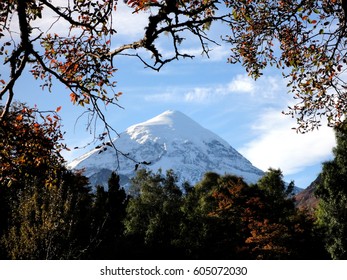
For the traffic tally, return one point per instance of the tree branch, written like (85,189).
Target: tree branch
(64,16)
(25,47)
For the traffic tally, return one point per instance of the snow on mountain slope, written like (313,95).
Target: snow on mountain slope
(170,140)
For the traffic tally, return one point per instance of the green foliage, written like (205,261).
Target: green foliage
(332,191)
(220,218)
(198,228)
(153,215)
(272,183)
(278,193)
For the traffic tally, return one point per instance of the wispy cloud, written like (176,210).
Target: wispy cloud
(200,95)
(276,145)
(262,90)
(127,23)
(219,53)
(241,84)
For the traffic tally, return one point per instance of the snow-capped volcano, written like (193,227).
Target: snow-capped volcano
(170,140)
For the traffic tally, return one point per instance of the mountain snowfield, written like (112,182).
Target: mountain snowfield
(170,140)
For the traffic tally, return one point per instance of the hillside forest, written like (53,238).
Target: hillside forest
(50,212)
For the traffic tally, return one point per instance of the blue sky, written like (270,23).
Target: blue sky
(219,96)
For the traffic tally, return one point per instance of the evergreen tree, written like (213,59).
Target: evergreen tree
(332,192)
(273,184)
(278,194)
(108,215)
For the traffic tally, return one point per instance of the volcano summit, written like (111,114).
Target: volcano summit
(170,140)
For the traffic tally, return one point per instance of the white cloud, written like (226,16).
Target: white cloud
(242,83)
(267,89)
(277,145)
(199,95)
(267,86)
(128,23)
(192,95)
(219,53)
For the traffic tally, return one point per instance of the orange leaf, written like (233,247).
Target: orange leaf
(19,118)
(73,97)
(58,109)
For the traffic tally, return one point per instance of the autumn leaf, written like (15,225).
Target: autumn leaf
(140,4)
(58,108)
(73,97)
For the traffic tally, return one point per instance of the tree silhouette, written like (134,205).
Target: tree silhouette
(108,213)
